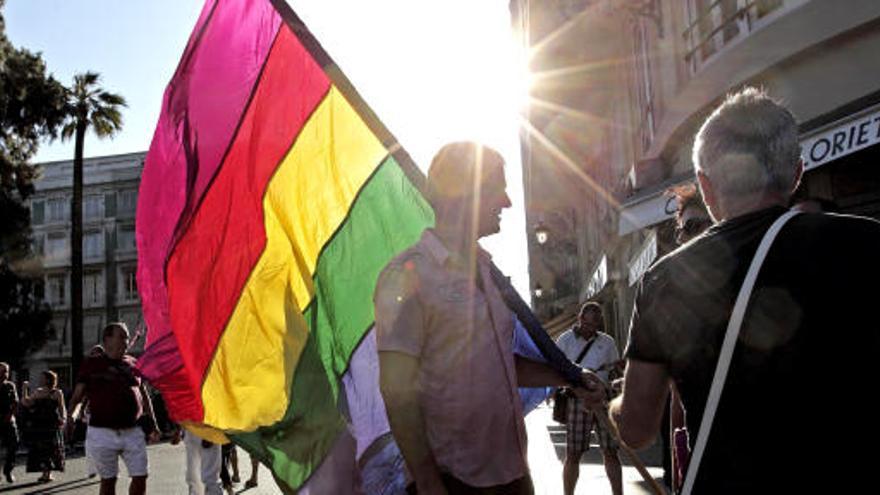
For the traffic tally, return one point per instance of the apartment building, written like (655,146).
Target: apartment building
(109,252)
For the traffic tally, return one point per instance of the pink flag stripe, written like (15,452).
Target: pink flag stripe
(202,108)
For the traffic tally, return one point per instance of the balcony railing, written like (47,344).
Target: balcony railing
(720,23)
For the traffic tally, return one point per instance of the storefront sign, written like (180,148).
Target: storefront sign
(829,144)
(598,280)
(640,264)
(645,212)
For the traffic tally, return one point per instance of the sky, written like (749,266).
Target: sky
(432,71)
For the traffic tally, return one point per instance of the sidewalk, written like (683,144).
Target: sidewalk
(547,451)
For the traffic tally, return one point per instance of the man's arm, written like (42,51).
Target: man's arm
(148,411)
(534,374)
(398,381)
(639,409)
(76,400)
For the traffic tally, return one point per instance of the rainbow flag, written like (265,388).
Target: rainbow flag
(270,200)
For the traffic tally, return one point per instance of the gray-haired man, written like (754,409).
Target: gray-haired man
(810,321)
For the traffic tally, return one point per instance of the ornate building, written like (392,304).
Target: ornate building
(620,89)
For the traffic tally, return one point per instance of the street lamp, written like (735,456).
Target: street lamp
(541,233)
(539,291)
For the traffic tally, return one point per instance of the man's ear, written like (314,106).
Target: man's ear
(709,196)
(798,175)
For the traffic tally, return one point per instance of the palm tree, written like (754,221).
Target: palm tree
(88,106)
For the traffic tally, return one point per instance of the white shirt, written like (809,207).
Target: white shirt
(603,351)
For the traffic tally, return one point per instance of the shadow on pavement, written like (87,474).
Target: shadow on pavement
(48,488)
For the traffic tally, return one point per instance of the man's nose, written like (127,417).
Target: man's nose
(505,200)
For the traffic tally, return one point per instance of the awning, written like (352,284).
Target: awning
(646,211)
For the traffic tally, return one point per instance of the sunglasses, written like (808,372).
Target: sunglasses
(691,228)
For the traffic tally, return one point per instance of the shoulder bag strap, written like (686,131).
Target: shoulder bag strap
(584,351)
(730,338)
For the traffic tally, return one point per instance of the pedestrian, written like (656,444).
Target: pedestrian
(122,418)
(588,346)
(448,374)
(203,463)
(691,220)
(8,426)
(44,426)
(809,317)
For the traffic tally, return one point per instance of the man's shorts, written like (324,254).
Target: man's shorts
(105,445)
(578,427)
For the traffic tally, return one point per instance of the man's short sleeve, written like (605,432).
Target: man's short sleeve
(644,342)
(399,314)
(85,370)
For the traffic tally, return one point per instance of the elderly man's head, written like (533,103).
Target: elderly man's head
(747,150)
(466,186)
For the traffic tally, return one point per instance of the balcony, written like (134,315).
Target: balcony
(722,23)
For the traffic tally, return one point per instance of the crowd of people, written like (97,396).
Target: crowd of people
(759,301)
(775,285)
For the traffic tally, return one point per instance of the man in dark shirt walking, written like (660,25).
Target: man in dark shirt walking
(8,428)
(809,337)
(119,405)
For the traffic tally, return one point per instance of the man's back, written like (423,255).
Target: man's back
(807,341)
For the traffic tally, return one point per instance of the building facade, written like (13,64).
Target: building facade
(109,252)
(629,82)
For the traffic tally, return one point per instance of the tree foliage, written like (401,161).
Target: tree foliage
(32,107)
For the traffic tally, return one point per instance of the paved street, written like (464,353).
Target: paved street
(546,450)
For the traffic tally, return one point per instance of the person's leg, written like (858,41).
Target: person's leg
(134,454)
(10,441)
(108,486)
(609,447)
(255,467)
(233,462)
(193,447)
(577,441)
(138,485)
(103,447)
(613,470)
(210,469)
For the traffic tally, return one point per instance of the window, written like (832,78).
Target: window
(128,201)
(128,283)
(56,286)
(57,246)
(93,288)
(93,244)
(125,240)
(58,210)
(38,212)
(644,86)
(92,329)
(38,244)
(92,207)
